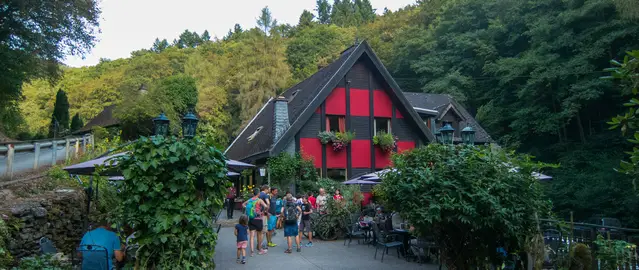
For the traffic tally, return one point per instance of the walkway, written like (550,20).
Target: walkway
(323,255)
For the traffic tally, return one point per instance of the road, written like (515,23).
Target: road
(23,161)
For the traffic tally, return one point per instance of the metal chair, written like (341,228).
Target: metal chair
(352,230)
(94,257)
(382,240)
(47,247)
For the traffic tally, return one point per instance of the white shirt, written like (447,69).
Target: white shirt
(321,201)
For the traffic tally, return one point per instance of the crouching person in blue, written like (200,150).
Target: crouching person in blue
(99,247)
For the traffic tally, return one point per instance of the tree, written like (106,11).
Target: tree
(266,22)
(205,36)
(188,40)
(315,46)
(34,37)
(306,19)
(472,191)
(60,118)
(323,9)
(366,10)
(159,46)
(76,123)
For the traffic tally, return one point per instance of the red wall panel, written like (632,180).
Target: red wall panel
(382,105)
(360,102)
(361,153)
(382,159)
(312,147)
(336,102)
(318,110)
(405,145)
(335,159)
(398,114)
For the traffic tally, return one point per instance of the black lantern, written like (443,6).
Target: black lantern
(161,125)
(468,135)
(189,125)
(447,134)
(438,136)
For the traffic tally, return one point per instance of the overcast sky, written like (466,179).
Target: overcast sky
(129,25)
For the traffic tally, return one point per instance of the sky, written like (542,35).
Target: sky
(130,25)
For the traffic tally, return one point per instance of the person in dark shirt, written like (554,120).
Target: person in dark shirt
(230,201)
(241,231)
(305,225)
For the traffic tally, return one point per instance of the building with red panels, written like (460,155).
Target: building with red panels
(354,94)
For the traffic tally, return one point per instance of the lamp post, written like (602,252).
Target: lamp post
(447,134)
(161,125)
(438,136)
(468,135)
(189,125)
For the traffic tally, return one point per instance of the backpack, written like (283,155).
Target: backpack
(290,213)
(278,205)
(253,209)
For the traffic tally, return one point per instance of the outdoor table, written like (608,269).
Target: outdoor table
(405,235)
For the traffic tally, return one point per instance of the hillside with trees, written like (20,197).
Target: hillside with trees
(528,70)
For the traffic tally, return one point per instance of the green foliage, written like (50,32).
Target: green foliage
(323,9)
(346,13)
(43,262)
(266,22)
(35,38)
(286,169)
(339,140)
(5,257)
(59,125)
(326,137)
(581,257)
(628,73)
(170,188)
(306,19)
(614,253)
(76,123)
(386,141)
(337,217)
(471,191)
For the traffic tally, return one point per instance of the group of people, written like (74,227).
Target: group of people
(265,209)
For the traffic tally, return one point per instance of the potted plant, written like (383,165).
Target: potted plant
(386,141)
(339,140)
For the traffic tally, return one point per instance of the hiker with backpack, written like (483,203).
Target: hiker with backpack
(255,210)
(291,213)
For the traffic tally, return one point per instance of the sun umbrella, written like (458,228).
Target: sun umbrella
(360,182)
(120,178)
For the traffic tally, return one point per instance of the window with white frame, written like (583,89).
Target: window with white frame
(382,124)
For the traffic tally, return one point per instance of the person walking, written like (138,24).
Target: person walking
(265,196)
(273,212)
(230,202)
(305,226)
(291,213)
(254,210)
(241,231)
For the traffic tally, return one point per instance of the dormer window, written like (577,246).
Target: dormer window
(293,95)
(257,130)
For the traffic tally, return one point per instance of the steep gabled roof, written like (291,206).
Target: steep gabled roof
(308,95)
(442,103)
(103,119)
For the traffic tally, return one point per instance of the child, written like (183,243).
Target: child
(291,213)
(241,231)
(305,225)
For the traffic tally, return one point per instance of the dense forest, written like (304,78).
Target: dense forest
(529,70)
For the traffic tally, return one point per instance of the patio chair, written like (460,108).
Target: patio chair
(382,240)
(353,230)
(94,257)
(47,247)
(422,248)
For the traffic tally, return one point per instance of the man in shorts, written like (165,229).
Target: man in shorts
(305,225)
(254,210)
(291,211)
(273,212)
(264,195)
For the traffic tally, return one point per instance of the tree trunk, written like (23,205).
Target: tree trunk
(582,134)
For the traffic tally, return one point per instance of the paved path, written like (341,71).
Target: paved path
(323,255)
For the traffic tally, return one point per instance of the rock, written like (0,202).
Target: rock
(39,212)
(23,208)
(6,195)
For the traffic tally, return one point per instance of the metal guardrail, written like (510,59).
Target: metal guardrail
(30,153)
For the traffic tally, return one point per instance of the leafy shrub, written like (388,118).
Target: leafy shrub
(613,253)
(334,222)
(5,257)
(170,188)
(472,192)
(339,140)
(386,141)
(47,262)
(326,137)
(580,257)
(285,169)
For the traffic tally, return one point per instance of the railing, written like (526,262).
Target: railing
(22,157)
(559,236)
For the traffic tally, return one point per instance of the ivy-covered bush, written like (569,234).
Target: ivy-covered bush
(386,141)
(5,257)
(339,140)
(170,188)
(614,254)
(476,202)
(286,169)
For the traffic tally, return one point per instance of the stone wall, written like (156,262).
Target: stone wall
(58,215)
